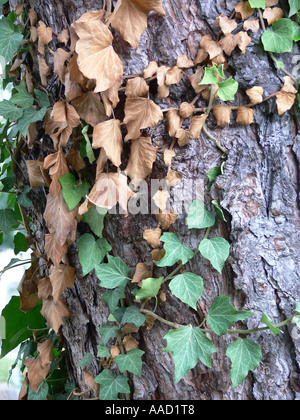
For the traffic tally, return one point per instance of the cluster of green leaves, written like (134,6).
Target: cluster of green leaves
(227,88)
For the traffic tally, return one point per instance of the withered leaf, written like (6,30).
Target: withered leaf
(284,101)
(252,24)
(173,76)
(58,167)
(197,124)
(141,159)
(222,114)
(167,219)
(173,178)
(37,177)
(28,288)
(136,87)
(174,121)
(130,18)
(212,48)
(108,135)
(44,288)
(228,43)
(186,109)
(152,236)
(150,70)
(60,57)
(272,14)
(62,277)
(45,35)
(226,24)
(255,94)
(244,115)
(36,372)
(141,273)
(96,56)
(168,156)
(90,108)
(54,312)
(54,250)
(140,113)
(44,70)
(183,62)
(243,10)
(183,136)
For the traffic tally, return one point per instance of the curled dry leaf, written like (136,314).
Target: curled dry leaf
(212,48)
(183,62)
(110,98)
(255,94)
(141,272)
(186,109)
(28,288)
(243,10)
(173,178)
(173,76)
(136,87)
(44,70)
(168,156)
(284,101)
(108,135)
(72,89)
(197,124)
(288,86)
(162,200)
(58,217)
(54,312)
(90,382)
(152,236)
(163,88)
(142,157)
(226,24)
(58,167)
(174,122)
(150,70)
(244,115)
(33,17)
(90,108)
(109,189)
(158,254)
(96,56)
(130,343)
(54,250)
(140,113)
(36,173)
(39,368)
(243,40)
(201,56)
(130,18)
(228,43)
(60,57)
(252,25)
(196,78)
(222,114)
(167,219)
(62,277)
(44,288)
(183,136)
(272,14)
(45,36)
(64,37)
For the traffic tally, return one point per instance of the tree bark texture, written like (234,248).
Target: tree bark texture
(259,191)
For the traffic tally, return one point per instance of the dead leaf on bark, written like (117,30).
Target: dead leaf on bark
(196,78)
(173,76)
(142,157)
(54,250)
(58,167)
(174,122)
(140,113)
(222,114)
(183,62)
(62,277)
(228,43)
(90,108)
(288,86)
(152,236)
(243,10)
(201,56)
(183,136)
(186,109)
(54,312)
(64,37)
(162,200)
(271,14)
(255,94)
(28,288)
(150,70)
(197,124)
(163,88)
(173,178)
(136,87)
(96,56)
(60,57)
(36,174)
(167,219)
(244,115)
(130,18)
(243,40)
(142,272)
(226,24)
(212,48)
(284,101)
(252,25)
(45,36)
(130,343)
(108,135)
(44,288)
(36,373)
(44,71)
(168,156)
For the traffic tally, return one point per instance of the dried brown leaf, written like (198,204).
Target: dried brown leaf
(222,114)
(62,277)
(109,136)
(244,115)
(243,10)
(212,48)
(150,70)
(271,14)
(136,87)
(142,157)
(152,236)
(252,25)
(183,62)
(186,109)
(167,219)
(141,273)
(197,124)
(255,94)
(90,108)
(54,312)
(226,24)
(174,121)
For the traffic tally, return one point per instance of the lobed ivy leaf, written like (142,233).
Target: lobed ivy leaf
(87,360)
(10,39)
(113,274)
(227,89)
(9,111)
(107,332)
(199,217)
(175,251)
(265,320)
(41,394)
(112,297)
(150,288)
(187,287)
(20,243)
(294,7)
(280,38)
(103,351)
(131,361)
(222,315)
(91,252)
(211,75)
(188,345)
(30,116)
(23,98)
(111,386)
(8,219)
(216,250)
(73,190)
(132,315)
(95,219)
(245,355)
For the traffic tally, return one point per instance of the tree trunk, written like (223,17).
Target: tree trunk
(259,191)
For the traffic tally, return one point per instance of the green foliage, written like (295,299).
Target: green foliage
(175,251)
(227,89)
(188,345)
(95,219)
(73,190)
(280,38)
(107,332)
(187,287)
(216,250)
(199,217)
(130,362)
(91,252)
(294,7)
(134,316)
(113,274)
(257,4)
(245,355)
(222,315)
(150,288)
(111,386)
(8,219)
(10,39)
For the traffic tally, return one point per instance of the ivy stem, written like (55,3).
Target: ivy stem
(179,268)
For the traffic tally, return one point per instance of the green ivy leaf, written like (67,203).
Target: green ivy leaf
(227,89)
(294,7)
(20,243)
(41,394)
(175,251)
(211,75)
(10,39)
(216,250)
(219,210)
(265,320)
(30,116)
(107,332)
(103,351)
(86,149)
(23,98)
(8,219)
(91,252)
(280,38)
(257,4)
(188,344)
(113,274)
(150,288)
(187,287)
(131,361)
(245,355)
(95,219)
(222,315)
(112,297)
(87,360)
(213,174)
(73,190)
(43,98)
(199,217)
(132,315)
(111,386)
(9,111)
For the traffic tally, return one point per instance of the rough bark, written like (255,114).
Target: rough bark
(259,190)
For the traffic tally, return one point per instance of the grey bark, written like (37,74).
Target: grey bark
(259,191)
